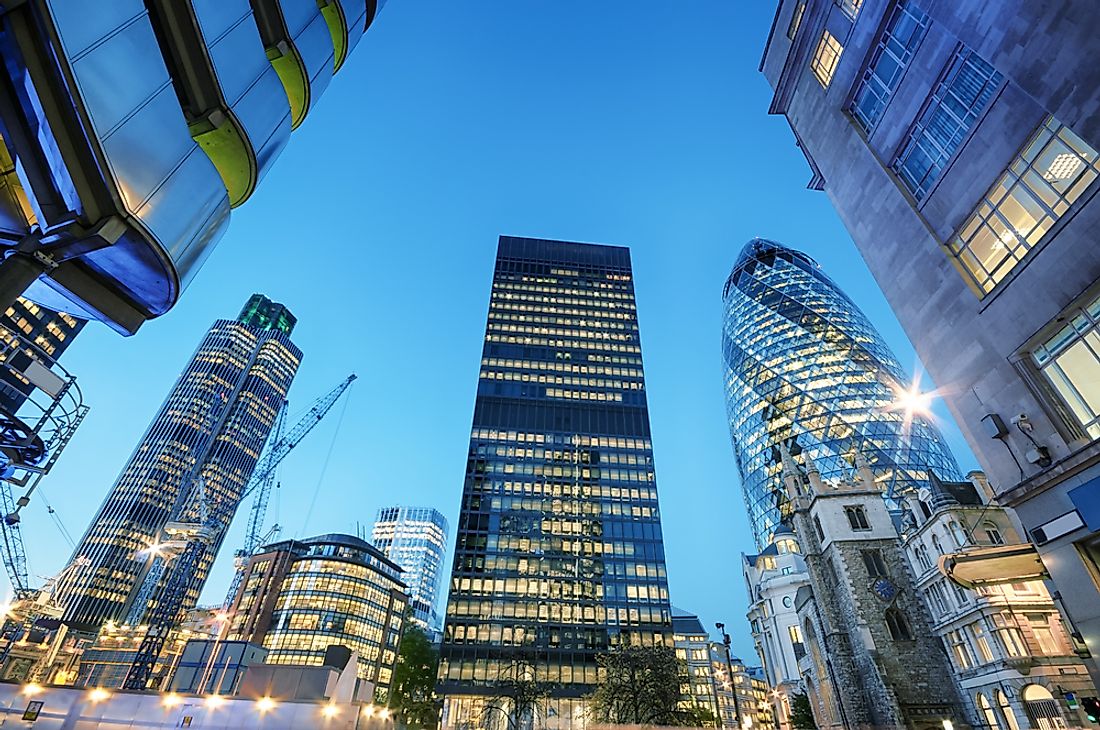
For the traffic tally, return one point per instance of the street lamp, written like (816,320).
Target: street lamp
(733,680)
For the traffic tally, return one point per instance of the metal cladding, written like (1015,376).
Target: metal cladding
(208,435)
(130,130)
(803,366)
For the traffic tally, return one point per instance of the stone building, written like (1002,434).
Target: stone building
(872,659)
(1013,659)
(773,578)
(692,645)
(958,142)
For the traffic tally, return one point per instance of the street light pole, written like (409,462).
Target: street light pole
(733,682)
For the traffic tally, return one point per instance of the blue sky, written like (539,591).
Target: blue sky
(641,124)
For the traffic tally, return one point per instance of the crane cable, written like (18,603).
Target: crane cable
(57,519)
(328,458)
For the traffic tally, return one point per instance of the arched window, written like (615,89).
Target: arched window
(1006,710)
(1043,708)
(898,626)
(992,533)
(958,534)
(987,712)
(922,557)
(936,545)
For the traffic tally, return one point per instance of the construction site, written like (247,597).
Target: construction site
(160,652)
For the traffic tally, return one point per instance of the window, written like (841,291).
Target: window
(1006,710)
(787,546)
(992,533)
(1044,634)
(817,528)
(796,20)
(876,566)
(1070,361)
(1009,634)
(857,518)
(981,640)
(895,49)
(939,598)
(936,545)
(896,623)
(987,711)
(958,534)
(922,557)
(826,58)
(957,101)
(1050,172)
(850,7)
(960,649)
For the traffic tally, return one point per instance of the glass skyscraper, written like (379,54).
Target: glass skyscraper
(804,366)
(559,551)
(416,539)
(211,429)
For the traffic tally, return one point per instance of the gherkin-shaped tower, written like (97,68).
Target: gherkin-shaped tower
(803,365)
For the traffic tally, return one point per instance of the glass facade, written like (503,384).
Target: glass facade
(416,539)
(959,98)
(804,366)
(212,428)
(300,597)
(559,552)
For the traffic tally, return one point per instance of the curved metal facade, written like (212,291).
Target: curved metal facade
(803,365)
(129,131)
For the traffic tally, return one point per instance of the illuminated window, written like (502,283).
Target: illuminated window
(1009,634)
(850,7)
(1048,175)
(895,49)
(957,101)
(987,711)
(826,58)
(981,640)
(1070,361)
(992,533)
(796,20)
(1044,633)
(960,649)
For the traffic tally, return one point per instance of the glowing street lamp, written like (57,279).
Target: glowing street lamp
(98,695)
(330,711)
(171,700)
(265,704)
(30,690)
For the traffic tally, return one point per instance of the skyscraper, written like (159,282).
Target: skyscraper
(559,552)
(802,362)
(209,433)
(415,538)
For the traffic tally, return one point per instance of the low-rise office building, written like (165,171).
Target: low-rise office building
(299,597)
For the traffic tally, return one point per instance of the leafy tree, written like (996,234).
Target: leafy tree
(698,716)
(518,698)
(802,715)
(641,686)
(412,691)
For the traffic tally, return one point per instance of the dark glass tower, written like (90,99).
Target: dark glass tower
(212,428)
(49,331)
(559,551)
(804,365)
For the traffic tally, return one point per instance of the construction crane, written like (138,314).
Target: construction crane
(167,609)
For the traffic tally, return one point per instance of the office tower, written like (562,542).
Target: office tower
(131,128)
(206,437)
(802,362)
(558,551)
(49,333)
(415,538)
(299,597)
(959,147)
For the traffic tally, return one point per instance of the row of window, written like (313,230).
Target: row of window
(1050,172)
